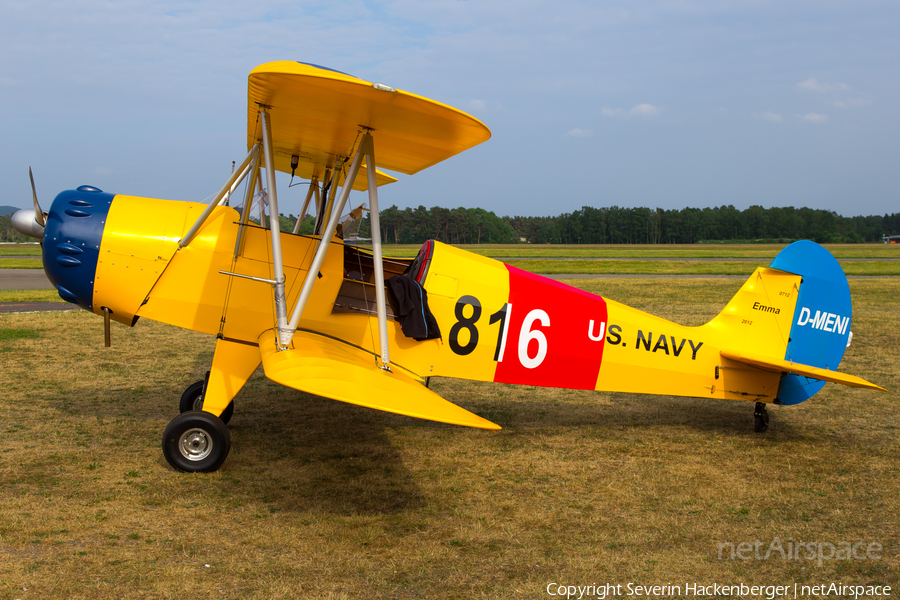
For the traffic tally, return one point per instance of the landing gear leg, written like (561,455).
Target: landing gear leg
(192,399)
(760,418)
(198,440)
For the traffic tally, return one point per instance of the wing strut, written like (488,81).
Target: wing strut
(235,178)
(365,149)
(245,209)
(327,200)
(274,227)
(319,195)
(313,187)
(225,199)
(376,250)
(324,242)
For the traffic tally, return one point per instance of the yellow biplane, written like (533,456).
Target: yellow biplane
(317,313)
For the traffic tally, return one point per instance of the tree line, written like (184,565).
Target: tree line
(415,225)
(8,233)
(617,225)
(608,225)
(641,225)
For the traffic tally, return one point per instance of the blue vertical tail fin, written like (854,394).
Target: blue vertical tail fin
(821,326)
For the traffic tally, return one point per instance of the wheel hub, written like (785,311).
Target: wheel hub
(196,444)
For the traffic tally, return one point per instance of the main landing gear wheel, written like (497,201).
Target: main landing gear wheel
(192,399)
(196,441)
(760,418)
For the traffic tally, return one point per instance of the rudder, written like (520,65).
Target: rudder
(822,316)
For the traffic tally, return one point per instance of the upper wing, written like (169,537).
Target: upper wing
(317,114)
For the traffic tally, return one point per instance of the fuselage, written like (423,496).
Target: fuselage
(498,323)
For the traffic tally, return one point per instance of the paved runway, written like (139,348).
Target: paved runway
(24,279)
(18,307)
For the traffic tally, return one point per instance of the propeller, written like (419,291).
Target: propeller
(38,213)
(30,222)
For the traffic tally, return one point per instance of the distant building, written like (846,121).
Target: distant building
(891,239)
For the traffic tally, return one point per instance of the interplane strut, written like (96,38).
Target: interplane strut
(274,227)
(366,149)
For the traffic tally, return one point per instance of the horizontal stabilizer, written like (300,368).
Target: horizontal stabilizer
(333,369)
(768,363)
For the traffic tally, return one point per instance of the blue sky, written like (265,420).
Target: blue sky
(662,104)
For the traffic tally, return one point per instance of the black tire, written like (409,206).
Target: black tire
(192,399)
(760,418)
(760,424)
(196,442)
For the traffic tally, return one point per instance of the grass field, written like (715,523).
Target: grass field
(20,249)
(21,263)
(30,296)
(638,251)
(588,260)
(681,267)
(619,267)
(319,499)
(648,251)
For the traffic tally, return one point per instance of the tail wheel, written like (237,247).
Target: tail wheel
(192,399)
(760,418)
(196,441)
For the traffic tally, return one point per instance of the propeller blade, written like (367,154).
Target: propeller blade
(38,213)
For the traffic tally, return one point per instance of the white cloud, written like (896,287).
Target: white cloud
(813,118)
(814,85)
(810,85)
(644,110)
(768,116)
(477,105)
(836,92)
(852,102)
(579,133)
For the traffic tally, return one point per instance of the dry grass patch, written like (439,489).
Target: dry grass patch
(20,249)
(21,263)
(30,296)
(324,500)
